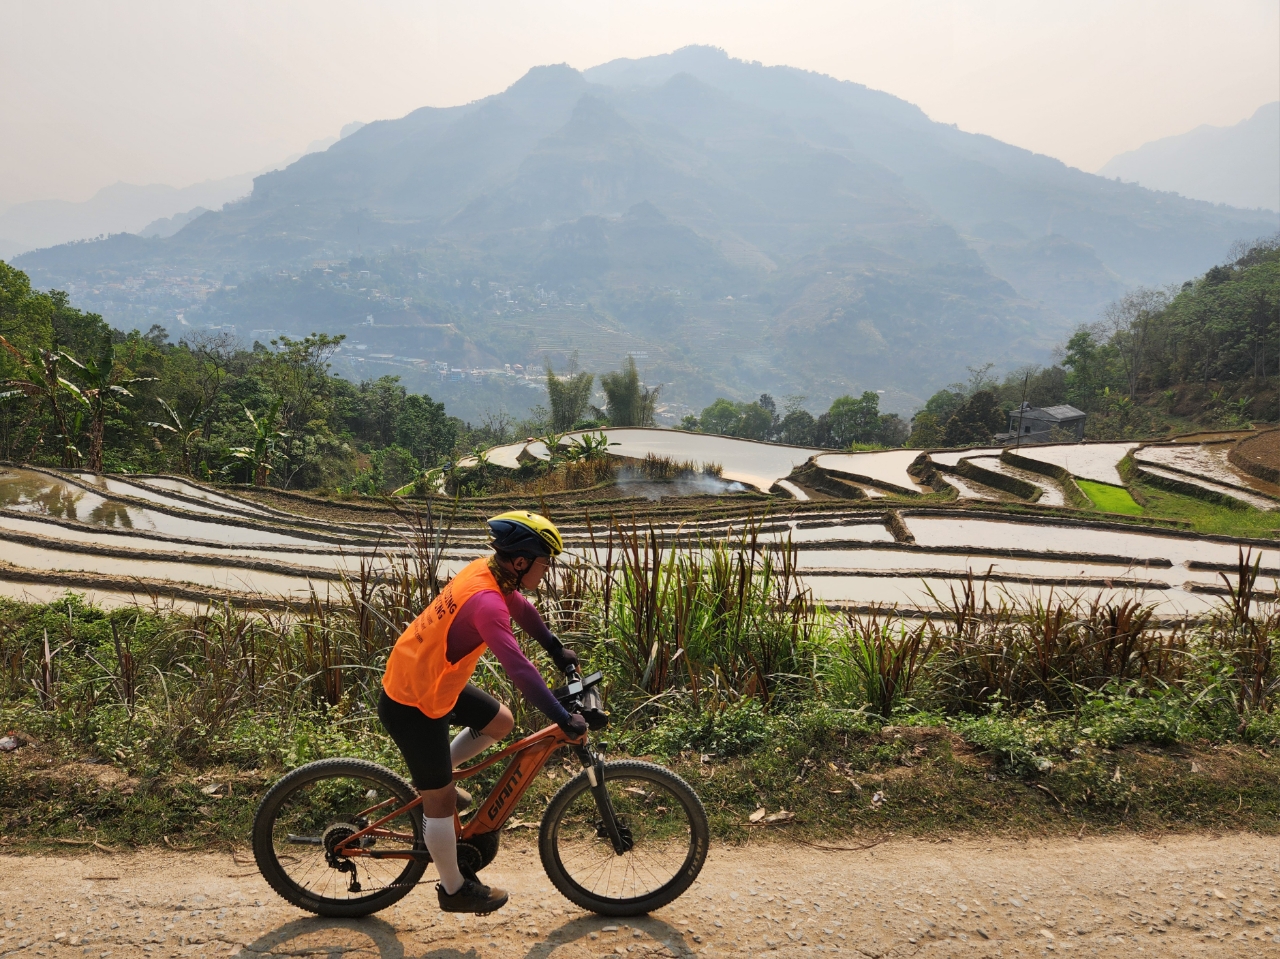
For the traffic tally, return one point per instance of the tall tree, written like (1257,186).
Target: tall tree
(627,401)
(569,397)
(1131,321)
(975,422)
(855,420)
(424,429)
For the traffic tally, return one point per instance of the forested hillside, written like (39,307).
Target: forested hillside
(737,228)
(1203,354)
(76,393)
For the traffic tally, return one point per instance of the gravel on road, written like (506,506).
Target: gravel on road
(1174,896)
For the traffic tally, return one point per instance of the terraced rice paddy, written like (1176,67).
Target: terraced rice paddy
(887,467)
(1206,465)
(1050,493)
(67,532)
(759,465)
(967,489)
(1219,489)
(1095,461)
(1197,459)
(953,457)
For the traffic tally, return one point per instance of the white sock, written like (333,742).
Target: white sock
(443,846)
(466,744)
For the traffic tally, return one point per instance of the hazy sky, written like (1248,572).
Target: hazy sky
(177,91)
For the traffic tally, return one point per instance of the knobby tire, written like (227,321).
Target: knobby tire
(277,875)
(550,840)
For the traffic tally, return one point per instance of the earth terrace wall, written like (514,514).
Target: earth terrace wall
(1136,458)
(1187,488)
(1073,493)
(150,589)
(1239,457)
(1008,484)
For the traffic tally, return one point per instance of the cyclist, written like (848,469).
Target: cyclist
(426,687)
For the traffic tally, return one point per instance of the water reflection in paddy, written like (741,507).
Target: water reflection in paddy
(199,574)
(333,557)
(115,487)
(944,531)
(914,593)
(197,492)
(863,532)
(884,466)
(908,560)
(30,492)
(1095,461)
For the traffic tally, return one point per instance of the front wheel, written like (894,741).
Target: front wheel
(664,829)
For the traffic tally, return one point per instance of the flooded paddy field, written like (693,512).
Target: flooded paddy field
(1050,493)
(969,489)
(953,457)
(1207,460)
(926,592)
(1148,544)
(1211,486)
(1094,461)
(122,535)
(758,465)
(882,466)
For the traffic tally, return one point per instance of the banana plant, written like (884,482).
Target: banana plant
(184,431)
(588,447)
(262,454)
(42,381)
(105,384)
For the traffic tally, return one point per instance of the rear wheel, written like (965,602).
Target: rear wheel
(307,814)
(663,827)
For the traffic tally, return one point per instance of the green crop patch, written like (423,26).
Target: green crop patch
(1109,499)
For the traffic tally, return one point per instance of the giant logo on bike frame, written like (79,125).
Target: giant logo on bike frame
(514,777)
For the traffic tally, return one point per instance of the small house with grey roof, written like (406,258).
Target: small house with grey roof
(1037,424)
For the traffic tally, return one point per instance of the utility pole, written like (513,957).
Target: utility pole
(1022,407)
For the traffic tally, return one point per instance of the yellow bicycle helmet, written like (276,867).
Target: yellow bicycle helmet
(520,532)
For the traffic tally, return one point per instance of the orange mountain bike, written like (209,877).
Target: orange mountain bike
(343,837)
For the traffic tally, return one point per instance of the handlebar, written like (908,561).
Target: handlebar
(582,695)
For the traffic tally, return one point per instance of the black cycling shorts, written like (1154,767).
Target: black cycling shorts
(425,741)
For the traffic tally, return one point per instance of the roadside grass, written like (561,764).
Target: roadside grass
(865,783)
(1109,499)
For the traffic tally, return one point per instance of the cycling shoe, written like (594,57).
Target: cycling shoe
(474,896)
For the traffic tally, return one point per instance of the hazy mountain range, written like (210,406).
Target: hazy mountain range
(151,210)
(1237,165)
(739,227)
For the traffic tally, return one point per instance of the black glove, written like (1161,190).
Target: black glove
(564,657)
(574,726)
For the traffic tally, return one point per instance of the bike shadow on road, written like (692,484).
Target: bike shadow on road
(335,938)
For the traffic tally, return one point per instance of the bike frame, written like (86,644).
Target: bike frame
(528,756)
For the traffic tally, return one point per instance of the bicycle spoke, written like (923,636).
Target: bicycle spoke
(658,828)
(330,803)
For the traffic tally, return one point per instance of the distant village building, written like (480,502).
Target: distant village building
(1043,424)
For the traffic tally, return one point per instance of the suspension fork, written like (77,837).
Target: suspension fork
(594,766)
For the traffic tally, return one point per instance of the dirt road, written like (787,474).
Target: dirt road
(1181,896)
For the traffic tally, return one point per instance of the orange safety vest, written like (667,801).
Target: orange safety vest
(418,670)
